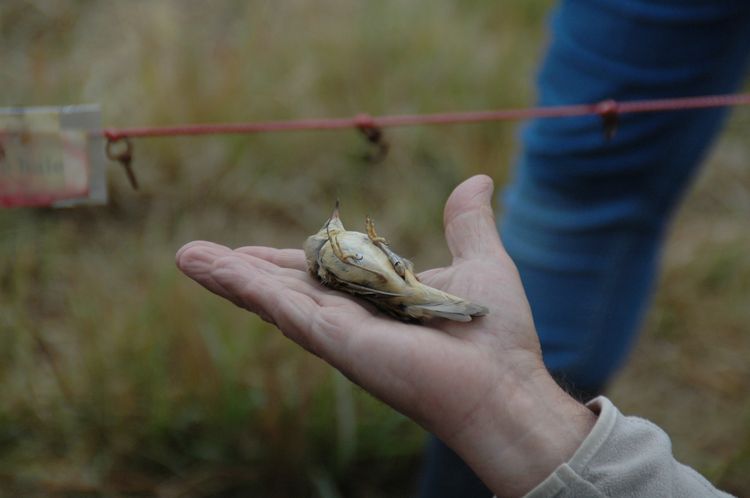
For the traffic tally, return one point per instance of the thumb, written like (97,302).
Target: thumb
(469,221)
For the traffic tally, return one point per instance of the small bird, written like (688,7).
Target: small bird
(363,265)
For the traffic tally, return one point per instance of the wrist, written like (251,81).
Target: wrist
(526,429)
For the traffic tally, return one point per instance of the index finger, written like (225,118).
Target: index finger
(285,258)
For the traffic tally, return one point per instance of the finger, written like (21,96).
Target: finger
(469,220)
(209,247)
(196,260)
(272,261)
(286,258)
(298,280)
(199,259)
(293,305)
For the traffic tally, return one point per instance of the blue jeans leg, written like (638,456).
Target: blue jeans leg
(585,217)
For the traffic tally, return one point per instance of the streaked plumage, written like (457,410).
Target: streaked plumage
(362,264)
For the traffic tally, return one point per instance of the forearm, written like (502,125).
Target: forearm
(522,434)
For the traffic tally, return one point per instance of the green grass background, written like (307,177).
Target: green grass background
(120,377)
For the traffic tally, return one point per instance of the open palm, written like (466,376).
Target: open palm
(450,377)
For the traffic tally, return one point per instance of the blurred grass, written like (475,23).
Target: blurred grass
(122,378)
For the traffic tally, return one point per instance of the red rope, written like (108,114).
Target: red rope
(606,109)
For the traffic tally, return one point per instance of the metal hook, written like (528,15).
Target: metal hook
(374,135)
(124,157)
(609,111)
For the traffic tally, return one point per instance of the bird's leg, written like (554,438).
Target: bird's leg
(399,264)
(370,226)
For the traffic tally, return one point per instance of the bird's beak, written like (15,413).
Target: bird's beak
(335,215)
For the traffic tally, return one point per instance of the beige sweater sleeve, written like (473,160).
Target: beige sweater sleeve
(623,456)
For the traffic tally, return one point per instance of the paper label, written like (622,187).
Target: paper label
(48,157)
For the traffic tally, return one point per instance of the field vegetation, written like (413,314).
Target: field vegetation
(121,377)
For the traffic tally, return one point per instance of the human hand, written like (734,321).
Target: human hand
(479,386)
